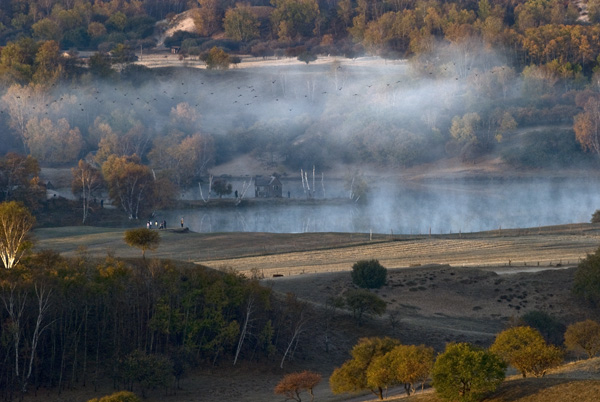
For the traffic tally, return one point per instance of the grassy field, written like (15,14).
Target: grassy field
(287,254)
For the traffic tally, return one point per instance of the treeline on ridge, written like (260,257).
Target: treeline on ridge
(534,32)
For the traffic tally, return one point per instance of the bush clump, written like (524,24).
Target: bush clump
(369,274)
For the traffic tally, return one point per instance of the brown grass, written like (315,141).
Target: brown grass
(289,254)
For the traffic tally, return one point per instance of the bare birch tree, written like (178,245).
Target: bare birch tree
(298,317)
(87,181)
(14,300)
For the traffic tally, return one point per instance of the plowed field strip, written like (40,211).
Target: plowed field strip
(523,250)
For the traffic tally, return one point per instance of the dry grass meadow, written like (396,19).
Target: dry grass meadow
(457,287)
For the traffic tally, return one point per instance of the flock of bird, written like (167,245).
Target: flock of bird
(276,94)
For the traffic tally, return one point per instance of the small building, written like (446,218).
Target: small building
(175,49)
(267,187)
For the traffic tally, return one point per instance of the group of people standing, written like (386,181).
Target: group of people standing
(162,225)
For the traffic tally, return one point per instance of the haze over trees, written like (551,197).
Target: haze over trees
(515,67)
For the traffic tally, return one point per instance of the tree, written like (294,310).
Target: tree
(307,57)
(15,223)
(241,23)
(23,103)
(357,187)
(19,179)
(101,65)
(551,329)
(48,64)
(405,364)
(586,283)
(142,238)
(291,385)
(525,349)
(129,183)
(221,187)
(292,18)
(465,372)
(87,181)
(16,61)
(464,129)
(149,371)
(362,301)
(369,274)
(411,364)
(49,142)
(46,29)
(216,59)
(583,336)
(587,126)
(208,17)
(351,377)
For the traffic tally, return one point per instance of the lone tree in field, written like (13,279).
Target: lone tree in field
(586,283)
(291,385)
(142,238)
(15,223)
(525,349)
(584,336)
(369,274)
(466,373)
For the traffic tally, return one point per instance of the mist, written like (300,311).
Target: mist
(438,206)
(374,117)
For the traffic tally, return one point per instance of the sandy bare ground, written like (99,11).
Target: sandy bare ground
(165,59)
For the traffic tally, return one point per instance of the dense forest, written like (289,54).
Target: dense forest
(136,324)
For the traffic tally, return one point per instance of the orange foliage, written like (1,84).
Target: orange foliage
(291,385)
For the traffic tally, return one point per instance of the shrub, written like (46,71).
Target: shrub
(362,301)
(596,216)
(369,274)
